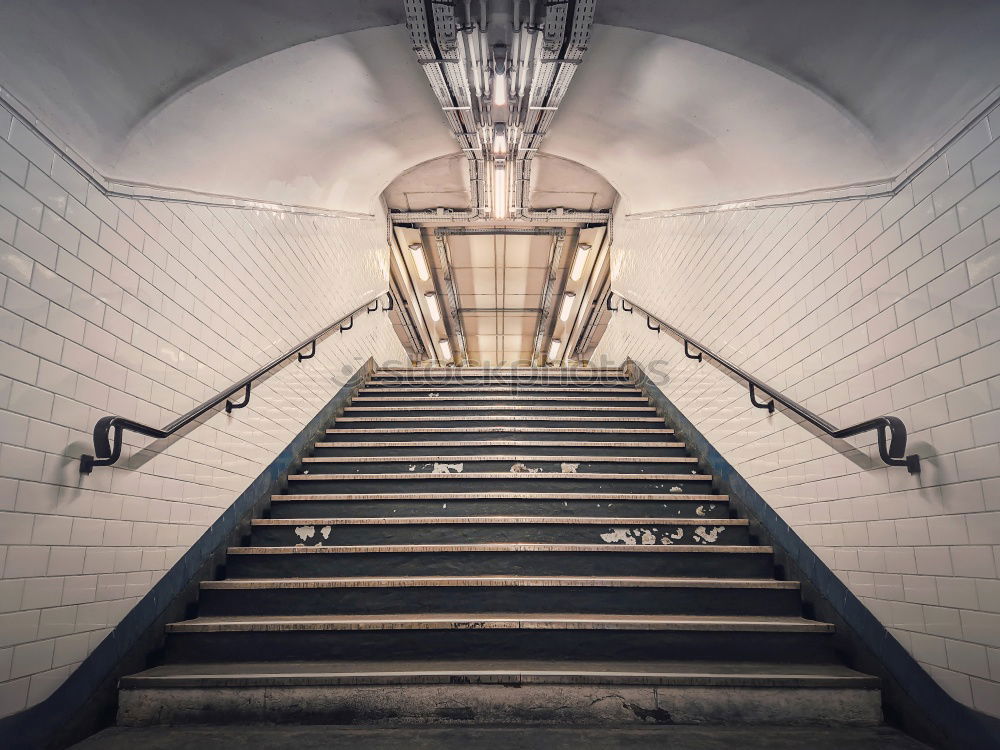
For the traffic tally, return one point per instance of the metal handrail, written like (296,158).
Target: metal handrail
(891,449)
(108,450)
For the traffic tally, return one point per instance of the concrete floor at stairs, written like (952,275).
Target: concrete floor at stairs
(484,738)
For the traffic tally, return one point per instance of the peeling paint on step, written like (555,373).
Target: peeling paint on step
(569,468)
(523,469)
(448,469)
(305,532)
(700,510)
(678,534)
(708,536)
(676,489)
(618,535)
(325,531)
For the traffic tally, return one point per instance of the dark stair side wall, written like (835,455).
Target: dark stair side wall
(911,698)
(87,700)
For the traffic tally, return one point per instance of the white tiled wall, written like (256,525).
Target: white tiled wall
(855,309)
(144,309)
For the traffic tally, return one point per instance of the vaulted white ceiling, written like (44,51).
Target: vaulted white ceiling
(320,102)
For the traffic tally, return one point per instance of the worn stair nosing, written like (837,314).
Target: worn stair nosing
(365,549)
(237,584)
(554,520)
(508,407)
(632,392)
(603,497)
(516,458)
(527,475)
(506,417)
(300,623)
(450,677)
(641,400)
(487,429)
(497,444)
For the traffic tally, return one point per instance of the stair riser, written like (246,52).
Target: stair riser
(533,400)
(496,705)
(501,599)
(527,483)
(498,507)
(424,433)
(422,422)
(625,645)
(623,563)
(463,449)
(476,381)
(503,395)
(466,533)
(595,411)
(529,466)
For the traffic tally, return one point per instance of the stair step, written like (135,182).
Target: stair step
(489,529)
(506,464)
(664,484)
(728,624)
(495,417)
(468,520)
(502,475)
(501,559)
(561,496)
(595,595)
(504,407)
(581,694)
(582,433)
(511,390)
(365,397)
(515,458)
(499,582)
(445,505)
(503,547)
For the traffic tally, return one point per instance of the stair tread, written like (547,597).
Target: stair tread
(552,475)
(501,581)
(480,428)
(271,623)
(365,396)
(561,520)
(506,417)
(388,387)
(601,496)
(501,547)
(506,671)
(508,407)
(498,443)
(535,458)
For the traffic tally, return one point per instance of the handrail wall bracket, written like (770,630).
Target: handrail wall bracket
(890,431)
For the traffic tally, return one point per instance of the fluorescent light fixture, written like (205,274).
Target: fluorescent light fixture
(445,348)
(500,89)
(432,305)
(582,251)
(554,348)
(499,190)
(499,140)
(420,261)
(567,305)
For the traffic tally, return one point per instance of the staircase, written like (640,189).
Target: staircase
(500,546)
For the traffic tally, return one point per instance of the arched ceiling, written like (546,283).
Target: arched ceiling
(320,102)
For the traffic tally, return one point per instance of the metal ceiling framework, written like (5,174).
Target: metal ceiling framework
(500,70)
